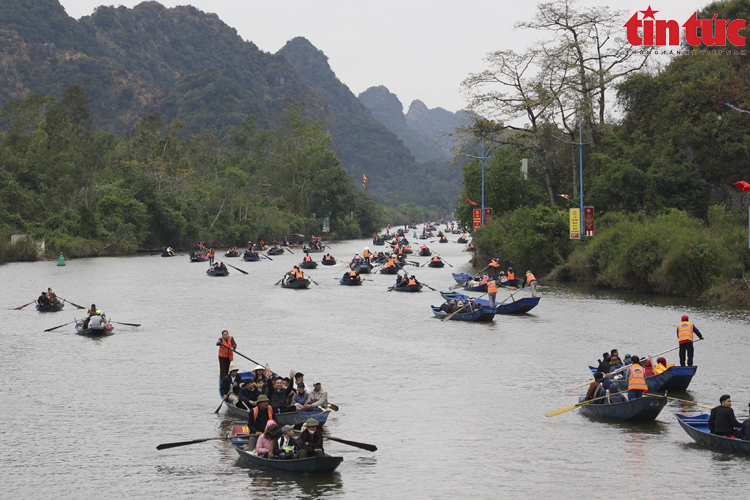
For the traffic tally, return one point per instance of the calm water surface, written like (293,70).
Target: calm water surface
(455,409)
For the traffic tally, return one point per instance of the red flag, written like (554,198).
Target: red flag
(473,203)
(743,185)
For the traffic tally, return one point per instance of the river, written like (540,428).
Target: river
(456,410)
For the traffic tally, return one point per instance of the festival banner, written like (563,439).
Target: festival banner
(477,218)
(588,221)
(487,214)
(575,223)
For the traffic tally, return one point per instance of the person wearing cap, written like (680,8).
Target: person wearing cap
(636,377)
(260,415)
(310,442)
(299,400)
(531,281)
(227,345)
(722,421)
(248,394)
(318,397)
(230,385)
(685,331)
(283,447)
(264,444)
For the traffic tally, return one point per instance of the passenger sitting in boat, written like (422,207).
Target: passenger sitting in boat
(318,397)
(722,421)
(248,395)
(264,444)
(260,416)
(283,448)
(594,386)
(310,442)
(503,278)
(259,374)
(52,297)
(647,368)
(307,258)
(603,363)
(230,385)
(351,275)
(661,366)
(43,300)
(97,321)
(614,364)
(299,400)
(279,393)
(412,280)
(327,257)
(435,258)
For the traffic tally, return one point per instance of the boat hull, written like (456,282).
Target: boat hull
(645,408)
(251,257)
(436,264)
(49,308)
(328,262)
(297,284)
(519,306)
(308,265)
(408,288)
(310,465)
(94,332)
(480,315)
(696,427)
(217,272)
(350,282)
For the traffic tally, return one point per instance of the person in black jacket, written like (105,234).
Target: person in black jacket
(230,385)
(278,394)
(722,420)
(248,395)
(259,416)
(310,442)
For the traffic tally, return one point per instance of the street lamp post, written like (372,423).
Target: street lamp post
(483,157)
(580,166)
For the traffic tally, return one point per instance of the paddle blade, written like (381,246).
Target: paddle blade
(563,410)
(56,327)
(364,446)
(128,324)
(21,307)
(164,446)
(333,407)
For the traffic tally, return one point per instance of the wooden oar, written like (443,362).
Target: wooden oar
(445,261)
(21,307)
(428,286)
(217,411)
(266,256)
(128,324)
(55,328)
(364,446)
(310,278)
(164,446)
(685,401)
(73,303)
(287,249)
(455,287)
(240,270)
(664,352)
(577,405)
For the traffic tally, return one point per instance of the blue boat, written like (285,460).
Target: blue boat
(697,428)
(240,440)
(200,257)
(519,306)
(217,271)
(350,282)
(50,307)
(478,315)
(645,408)
(674,378)
(462,278)
(251,256)
(406,288)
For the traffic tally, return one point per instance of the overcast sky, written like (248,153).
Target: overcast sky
(419,49)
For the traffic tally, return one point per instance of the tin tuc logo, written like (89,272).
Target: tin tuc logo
(659,32)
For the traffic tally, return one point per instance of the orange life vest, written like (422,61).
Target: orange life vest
(412,281)
(491,286)
(637,379)
(225,349)
(211,252)
(685,332)
(435,258)
(366,253)
(352,274)
(270,412)
(485,279)
(494,264)
(307,258)
(298,274)
(511,275)
(530,277)
(375,255)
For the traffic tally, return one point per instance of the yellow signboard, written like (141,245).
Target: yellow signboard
(575,223)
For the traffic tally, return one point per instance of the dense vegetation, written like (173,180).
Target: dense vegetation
(660,179)
(188,66)
(88,192)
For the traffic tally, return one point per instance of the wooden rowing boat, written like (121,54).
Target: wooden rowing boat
(50,307)
(519,306)
(674,378)
(479,315)
(105,331)
(296,284)
(310,465)
(645,408)
(696,427)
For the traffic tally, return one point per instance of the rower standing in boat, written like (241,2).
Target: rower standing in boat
(226,353)
(491,292)
(685,332)
(531,281)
